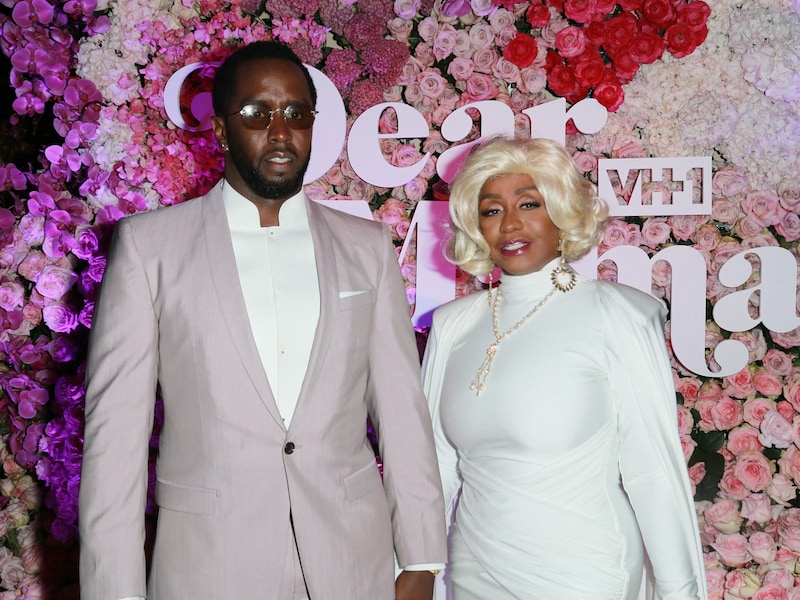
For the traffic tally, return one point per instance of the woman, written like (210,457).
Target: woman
(552,400)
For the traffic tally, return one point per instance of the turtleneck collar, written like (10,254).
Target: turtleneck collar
(528,287)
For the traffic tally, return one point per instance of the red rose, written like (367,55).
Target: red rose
(590,69)
(596,33)
(624,67)
(557,4)
(679,40)
(659,12)
(630,5)
(561,81)
(538,15)
(581,11)
(620,30)
(521,50)
(610,95)
(605,7)
(646,48)
(695,14)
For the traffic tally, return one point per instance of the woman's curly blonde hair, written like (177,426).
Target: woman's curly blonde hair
(569,198)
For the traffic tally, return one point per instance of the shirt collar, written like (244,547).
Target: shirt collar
(243,214)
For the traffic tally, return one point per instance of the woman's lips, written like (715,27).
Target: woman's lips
(514,247)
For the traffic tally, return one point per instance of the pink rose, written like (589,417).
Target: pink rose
(789,529)
(779,577)
(32,265)
(748,227)
(687,446)
(506,71)
(743,439)
(428,28)
(444,41)
(732,486)
(480,87)
(715,583)
(790,339)
(707,237)
(725,211)
(757,508)
(723,515)
(571,42)
(729,181)
(763,206)
(766,383)
(655,232)
(415,189)
(501,19)
(741,583)
(460,68)
(685,226)
(789,463)
(739,385)
(12,294)
(789,194)
(789,227)
(462,46)
(771,592)
(732,549)
(697,473)
(791,391)
(400,28)
(685,420)
(405,155)
(781,489)
(481,36)
(754,470)
(762,547)
(776,430)
(704,407)
(483,60)
(726,413)
(406,9)
(533,80)
(615,233)
(756,408)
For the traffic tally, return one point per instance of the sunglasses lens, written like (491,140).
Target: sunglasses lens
(295,116)
(298,117)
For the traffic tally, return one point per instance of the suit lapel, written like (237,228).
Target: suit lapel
(327,276)
(222,263)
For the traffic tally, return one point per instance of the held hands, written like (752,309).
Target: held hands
(414,585)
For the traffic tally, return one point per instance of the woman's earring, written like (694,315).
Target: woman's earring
(563,276)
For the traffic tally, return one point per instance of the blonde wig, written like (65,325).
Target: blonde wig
(568,198)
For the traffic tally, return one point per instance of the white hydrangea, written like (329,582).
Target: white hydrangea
(738,95)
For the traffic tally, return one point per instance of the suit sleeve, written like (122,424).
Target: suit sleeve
(121,377)
(400,415)
(651,460)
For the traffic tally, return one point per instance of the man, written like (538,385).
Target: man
(273,327)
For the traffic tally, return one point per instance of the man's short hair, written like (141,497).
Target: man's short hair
(225,79)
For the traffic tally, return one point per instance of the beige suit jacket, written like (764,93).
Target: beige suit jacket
(171,314)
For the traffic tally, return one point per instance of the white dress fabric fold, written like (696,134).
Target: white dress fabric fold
(568,465)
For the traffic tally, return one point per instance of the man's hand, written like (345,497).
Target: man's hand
(414,585)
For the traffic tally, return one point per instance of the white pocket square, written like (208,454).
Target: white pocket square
(353,293)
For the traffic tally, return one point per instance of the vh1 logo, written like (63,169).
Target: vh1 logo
(645,187)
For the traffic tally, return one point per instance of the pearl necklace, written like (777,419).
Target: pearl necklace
(557,277)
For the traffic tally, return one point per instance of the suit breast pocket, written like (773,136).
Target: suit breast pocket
(351,300)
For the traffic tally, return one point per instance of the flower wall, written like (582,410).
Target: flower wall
(679,77)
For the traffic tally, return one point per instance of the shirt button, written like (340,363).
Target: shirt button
(289,448)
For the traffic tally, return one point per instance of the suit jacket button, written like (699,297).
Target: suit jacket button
(289,448)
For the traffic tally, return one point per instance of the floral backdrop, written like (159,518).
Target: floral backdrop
(85,141)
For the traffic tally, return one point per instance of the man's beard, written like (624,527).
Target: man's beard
(262,187)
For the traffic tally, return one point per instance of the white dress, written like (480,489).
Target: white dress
(570,456)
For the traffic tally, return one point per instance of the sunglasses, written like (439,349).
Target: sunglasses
(296,116)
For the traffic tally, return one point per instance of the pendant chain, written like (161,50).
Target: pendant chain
(479,383)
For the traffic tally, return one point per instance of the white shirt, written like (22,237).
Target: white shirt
(278,275)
